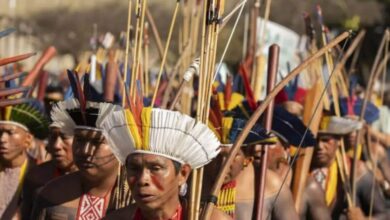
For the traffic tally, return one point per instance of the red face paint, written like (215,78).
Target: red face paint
(157,182)
(132,180)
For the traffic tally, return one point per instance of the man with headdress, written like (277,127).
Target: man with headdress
(93,190)
(19,125)
(293,136)
(59,147)
(159,148)
(325,171)
(237,195)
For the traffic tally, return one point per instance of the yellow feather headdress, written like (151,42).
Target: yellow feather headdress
(161,132)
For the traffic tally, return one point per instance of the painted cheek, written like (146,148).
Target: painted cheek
(132,180)
(157,182)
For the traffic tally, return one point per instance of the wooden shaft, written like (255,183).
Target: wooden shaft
(42,86)
(13,91)
(12,102)
(14,59)
(126,54)
(109,84)
(201,89)
(311,118)
(273,63)
(34,74)
(155,32)
(166,51)
(177,95)
(12,76)
(373,77)
(138,50)
(255,116)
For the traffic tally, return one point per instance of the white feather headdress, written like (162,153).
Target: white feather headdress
(161,132)
(338,125)
(66,115)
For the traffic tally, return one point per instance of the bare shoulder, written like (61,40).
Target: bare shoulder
(273,183)
(62,189)
(218,214)
(123,213)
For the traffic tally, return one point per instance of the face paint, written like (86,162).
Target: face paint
(157,182)
(132,180)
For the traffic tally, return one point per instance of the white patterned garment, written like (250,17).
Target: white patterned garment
(9,181)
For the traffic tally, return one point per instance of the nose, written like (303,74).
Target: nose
(57,145)
(144,178)
(3,137)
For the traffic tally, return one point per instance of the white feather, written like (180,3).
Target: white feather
(172,134)
(117,133)
(61,118)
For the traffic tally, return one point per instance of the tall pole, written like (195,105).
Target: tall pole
(273,63)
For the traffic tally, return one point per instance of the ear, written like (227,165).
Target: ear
(29,139)
(184,173)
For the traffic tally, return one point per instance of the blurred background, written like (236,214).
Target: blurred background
(70,24)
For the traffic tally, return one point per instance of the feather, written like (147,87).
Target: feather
(228,91)
(116,131)
(338,125)
(189,142)
(291,128)
(61,117)
(87,87)
(77,92)
(258,134)
(73,84)
(29,115)
(42,86)
(248,90)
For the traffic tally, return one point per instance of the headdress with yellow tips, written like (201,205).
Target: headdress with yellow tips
(227,128)
(161,132)
(334,125)
(227,95)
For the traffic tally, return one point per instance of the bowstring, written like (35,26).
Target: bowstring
(307,128)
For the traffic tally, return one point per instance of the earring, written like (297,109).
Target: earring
(247,161)
(183,189)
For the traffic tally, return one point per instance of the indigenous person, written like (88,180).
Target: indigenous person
(159,148)
(325,171)
(292,133)
(19,125)
(90,192)
(237,195)
(60,149)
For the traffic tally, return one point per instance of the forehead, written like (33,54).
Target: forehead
(6,126)
(328,136)
(226,150)
(87,133)
(53,129)
(148,158)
